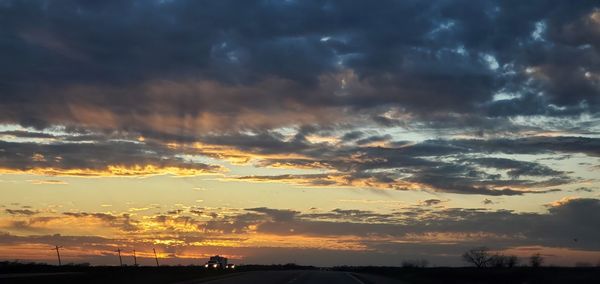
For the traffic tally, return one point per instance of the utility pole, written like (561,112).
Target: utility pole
(134,259)
(155,257)
(56,248)
(120,260)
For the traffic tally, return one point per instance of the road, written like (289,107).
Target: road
(30,275)
(298,277)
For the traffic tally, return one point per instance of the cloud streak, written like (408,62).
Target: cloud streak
(360,231)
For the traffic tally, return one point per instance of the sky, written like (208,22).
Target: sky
(313,132)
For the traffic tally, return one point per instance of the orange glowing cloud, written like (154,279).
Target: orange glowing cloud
(118,171)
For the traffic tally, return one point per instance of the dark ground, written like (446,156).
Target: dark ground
(300,277)
(39,273)
(279,274)
(469,275)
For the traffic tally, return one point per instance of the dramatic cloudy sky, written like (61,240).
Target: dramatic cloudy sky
(315,132)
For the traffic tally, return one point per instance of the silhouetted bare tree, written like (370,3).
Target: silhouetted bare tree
(480,257)
(536,260)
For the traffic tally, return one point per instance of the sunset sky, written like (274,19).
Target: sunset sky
(314,132)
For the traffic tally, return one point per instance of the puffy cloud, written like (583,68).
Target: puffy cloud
(426,230)
(205,76)
(204,68)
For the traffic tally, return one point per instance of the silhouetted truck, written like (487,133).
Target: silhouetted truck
(218,262)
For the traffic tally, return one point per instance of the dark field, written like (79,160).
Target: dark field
(468,275)
(37,273)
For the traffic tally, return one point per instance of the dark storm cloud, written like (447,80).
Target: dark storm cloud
(26,212)
(373,139)
(583,189)
(214,71)
(263,143)
(533,145)
(556,228)
(352,135)
(186,60)
(277,215)
(60,158)
(395,166)
(517,168)
(26,134)
(445,165)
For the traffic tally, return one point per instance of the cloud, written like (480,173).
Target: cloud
(26,212)
(431,202)
(533,145)
(99,159)
(374,139)
(26,134)
(48,181)
(209,85)
(517,168)
(277,215)
(428,231)
(439,165)
(439,61)
(455,96)
(507,228)
(123,222)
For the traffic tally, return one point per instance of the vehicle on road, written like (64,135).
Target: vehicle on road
(218,262)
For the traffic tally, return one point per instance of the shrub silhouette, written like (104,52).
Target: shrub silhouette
(480,257)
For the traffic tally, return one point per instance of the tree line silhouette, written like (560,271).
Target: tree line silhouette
(482,257)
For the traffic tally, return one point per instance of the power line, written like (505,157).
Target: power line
(57,248)
(134,259)
(155,257)
(120,260)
